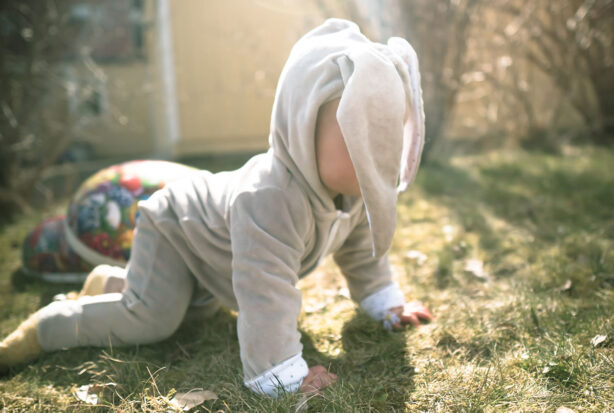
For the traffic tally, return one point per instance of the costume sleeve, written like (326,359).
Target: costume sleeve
(267,235)
(369,278)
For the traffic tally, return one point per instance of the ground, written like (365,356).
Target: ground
(513,252)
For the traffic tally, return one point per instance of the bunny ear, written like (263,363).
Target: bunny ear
(413,134)
(370,117)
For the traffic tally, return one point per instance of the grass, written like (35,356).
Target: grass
(516,338)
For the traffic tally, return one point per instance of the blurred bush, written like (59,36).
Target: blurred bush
(518,67)
(49,78)
(35,127)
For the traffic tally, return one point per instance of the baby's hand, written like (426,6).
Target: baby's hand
(317,379)
(412,313)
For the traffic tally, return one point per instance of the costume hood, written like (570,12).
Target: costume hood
(376,83)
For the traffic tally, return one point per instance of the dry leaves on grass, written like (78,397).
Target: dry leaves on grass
(449,232)
(344,292)
(599,339)
(565,287)
(476,268)
(191,399)
(89,393)
(416,257)
(314,307)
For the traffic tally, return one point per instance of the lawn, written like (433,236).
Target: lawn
(513,251)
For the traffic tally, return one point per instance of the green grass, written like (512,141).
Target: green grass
(518,339)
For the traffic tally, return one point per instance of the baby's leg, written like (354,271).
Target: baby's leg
(150,308)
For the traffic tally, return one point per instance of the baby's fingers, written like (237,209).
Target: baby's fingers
(410,318)
(425,313)
(418,309)
(317,379)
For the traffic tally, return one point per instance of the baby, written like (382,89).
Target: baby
(346,135)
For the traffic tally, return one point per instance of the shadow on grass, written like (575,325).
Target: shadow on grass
(205,353)
(201,353)
(21,282)
(556,202)
(538,200)
(374,364)
(20,285)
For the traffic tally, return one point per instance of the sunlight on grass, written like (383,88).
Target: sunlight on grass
(516,337)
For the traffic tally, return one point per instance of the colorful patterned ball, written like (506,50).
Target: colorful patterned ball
(99,225)
(46,253)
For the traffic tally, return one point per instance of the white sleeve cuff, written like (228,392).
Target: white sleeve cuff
(285,377)
(378,303)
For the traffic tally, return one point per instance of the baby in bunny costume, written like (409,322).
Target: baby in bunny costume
(347,132)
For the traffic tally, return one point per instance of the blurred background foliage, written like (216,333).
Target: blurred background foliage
(84,83)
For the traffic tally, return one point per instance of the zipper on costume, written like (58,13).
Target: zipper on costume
(331,235)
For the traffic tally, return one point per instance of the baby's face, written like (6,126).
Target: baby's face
(334,164)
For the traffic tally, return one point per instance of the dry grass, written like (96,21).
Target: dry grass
(516,339)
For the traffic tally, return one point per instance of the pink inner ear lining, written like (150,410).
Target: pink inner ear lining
(406,114)
(413,137)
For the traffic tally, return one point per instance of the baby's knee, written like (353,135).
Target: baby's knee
(152,331)
(151,325)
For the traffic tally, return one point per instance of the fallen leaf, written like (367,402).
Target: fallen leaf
(476,268)
(416,257)
(563,409)
(314,308)
(566,286)
(88,393)
(191,399)
(595,341)
(343,292)
(448,232)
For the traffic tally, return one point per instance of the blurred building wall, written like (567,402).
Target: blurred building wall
(226,59)
(123,127)
(228,56)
